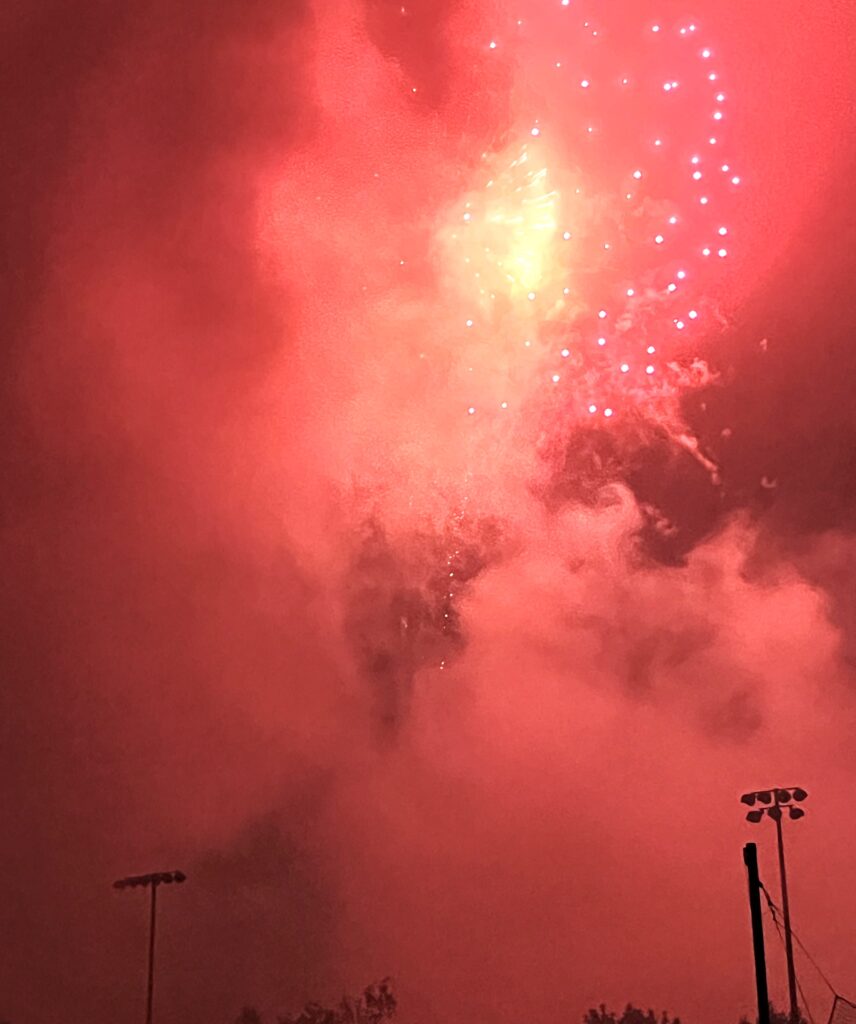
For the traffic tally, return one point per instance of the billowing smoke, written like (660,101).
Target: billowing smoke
(353,609)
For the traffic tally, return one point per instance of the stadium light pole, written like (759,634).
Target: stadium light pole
(151,881)
(773,802)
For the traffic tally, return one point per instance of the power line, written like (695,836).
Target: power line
(774,911)
(781,935)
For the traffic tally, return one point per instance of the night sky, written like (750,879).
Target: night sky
(345,569)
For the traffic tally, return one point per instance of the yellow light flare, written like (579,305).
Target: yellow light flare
(506,249)
(505,241)
(519,227)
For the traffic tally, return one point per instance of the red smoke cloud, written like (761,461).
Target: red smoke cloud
(240,470)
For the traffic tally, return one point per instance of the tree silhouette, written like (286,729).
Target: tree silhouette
(776,1017)
(376,1005)
(630,1015)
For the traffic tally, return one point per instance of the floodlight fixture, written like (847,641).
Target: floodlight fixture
(774,800)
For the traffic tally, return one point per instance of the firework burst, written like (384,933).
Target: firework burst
(586,250)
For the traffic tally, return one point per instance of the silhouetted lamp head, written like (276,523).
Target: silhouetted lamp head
(748,798)
(168,877)
(799,794)
(155,879)
(796,812)
(755,816)
(765,796)
(783,796)
(775,813)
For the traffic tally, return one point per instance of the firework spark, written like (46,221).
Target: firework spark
(587,249)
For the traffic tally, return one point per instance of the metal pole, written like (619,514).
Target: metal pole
(750,859)
(151,881)
(789,946)
(151,981)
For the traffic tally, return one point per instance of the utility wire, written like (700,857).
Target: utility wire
(774,911)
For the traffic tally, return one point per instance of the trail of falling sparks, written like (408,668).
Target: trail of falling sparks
(585,249)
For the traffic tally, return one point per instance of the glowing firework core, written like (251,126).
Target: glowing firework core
(510,231)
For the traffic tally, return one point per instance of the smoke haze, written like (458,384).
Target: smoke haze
(237,478)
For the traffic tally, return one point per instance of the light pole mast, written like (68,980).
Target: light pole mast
(150,985)
(773,802)
(786,913)
(151,881)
